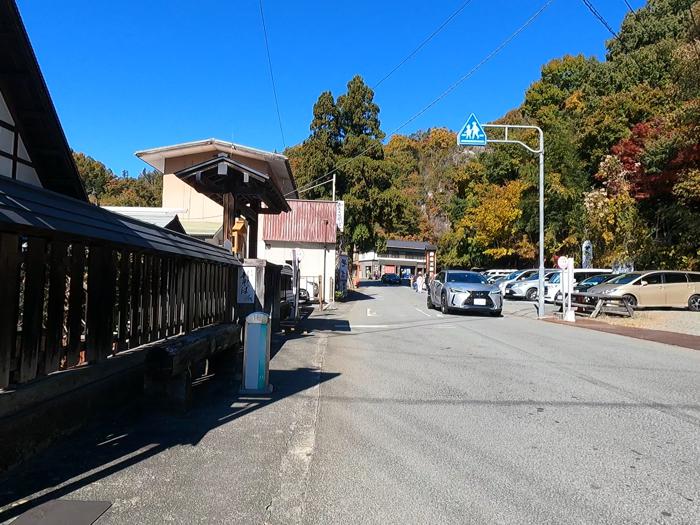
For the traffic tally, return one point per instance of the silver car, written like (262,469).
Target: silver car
(461,290)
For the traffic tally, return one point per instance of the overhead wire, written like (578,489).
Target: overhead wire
(445,93)
(272,75)
(424,42)
(600,17)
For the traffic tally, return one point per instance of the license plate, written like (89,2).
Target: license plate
(480,302)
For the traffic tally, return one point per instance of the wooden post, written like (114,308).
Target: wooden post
(253,238)
(136,310)
(9,292)
(146,299)
(229,216)
(100,304)
(35,280)
(53,345)
(124,299)
(75,303)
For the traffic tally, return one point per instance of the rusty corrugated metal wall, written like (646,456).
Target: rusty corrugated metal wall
(309,221)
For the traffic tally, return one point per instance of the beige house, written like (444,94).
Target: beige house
(201,177)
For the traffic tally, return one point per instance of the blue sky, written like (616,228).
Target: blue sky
(132,75)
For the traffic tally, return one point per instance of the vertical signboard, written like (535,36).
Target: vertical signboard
(340,214)
(246,284)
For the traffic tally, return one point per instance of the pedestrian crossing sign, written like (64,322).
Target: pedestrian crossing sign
(472,133)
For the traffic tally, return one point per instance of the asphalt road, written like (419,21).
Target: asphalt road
(469,419)
(386,412)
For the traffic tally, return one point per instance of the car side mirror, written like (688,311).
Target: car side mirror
(644,283)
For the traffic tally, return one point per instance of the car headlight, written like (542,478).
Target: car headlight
(460,290)
(496,291)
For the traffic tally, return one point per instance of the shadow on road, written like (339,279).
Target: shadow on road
(138,433)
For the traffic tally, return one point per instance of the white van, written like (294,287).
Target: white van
(552,291)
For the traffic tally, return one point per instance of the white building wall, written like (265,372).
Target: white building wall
(24,172)
(311,265)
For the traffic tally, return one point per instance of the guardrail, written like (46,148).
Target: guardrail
(596,304)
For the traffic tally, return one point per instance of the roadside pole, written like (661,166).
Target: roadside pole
(474,134)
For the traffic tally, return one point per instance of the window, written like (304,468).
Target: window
(694,277)
(652,278)
(465,277)
(440,277)
(625,278)
(675,278)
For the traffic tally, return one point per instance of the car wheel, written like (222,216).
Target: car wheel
(531,294)
(443,304)
(430,302)
(495,313)
(631,300)
(694,303)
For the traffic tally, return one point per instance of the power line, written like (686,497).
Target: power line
(449,90)
(600,17)
(629,7)
(423,43)
(272,76)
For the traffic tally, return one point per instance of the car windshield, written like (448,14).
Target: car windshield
(625,278)
(512,275)
(555,278)
(596,279)
(465,277)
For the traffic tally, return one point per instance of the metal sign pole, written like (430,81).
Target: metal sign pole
(540,153)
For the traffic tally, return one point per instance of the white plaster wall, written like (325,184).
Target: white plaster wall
(311,263)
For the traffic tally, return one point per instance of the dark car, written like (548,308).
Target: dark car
(595,280)
(391,278)
(303,295)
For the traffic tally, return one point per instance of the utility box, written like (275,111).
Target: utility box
(256,354)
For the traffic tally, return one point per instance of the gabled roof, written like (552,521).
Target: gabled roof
(279,168)
(29,102)
(220,175)
(410,245)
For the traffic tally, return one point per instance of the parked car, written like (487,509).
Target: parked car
(391,278)
(462,290)
(656,288)
(552,292)
(493,274)
(304,295)
(527,288)
(517,275)
(589,283)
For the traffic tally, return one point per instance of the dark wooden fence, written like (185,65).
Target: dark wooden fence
(79,284)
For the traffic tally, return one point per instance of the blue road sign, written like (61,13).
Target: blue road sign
(472,134)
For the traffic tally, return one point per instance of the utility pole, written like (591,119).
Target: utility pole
(325,251)
(334,187)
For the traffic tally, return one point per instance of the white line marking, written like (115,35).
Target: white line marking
(370,313)
(440,315)
(421,311)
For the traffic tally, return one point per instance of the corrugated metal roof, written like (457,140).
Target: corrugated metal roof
(309,221)
(158,216)
(200,228)
(409,245)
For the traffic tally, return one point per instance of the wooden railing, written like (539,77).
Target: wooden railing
(68,298)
